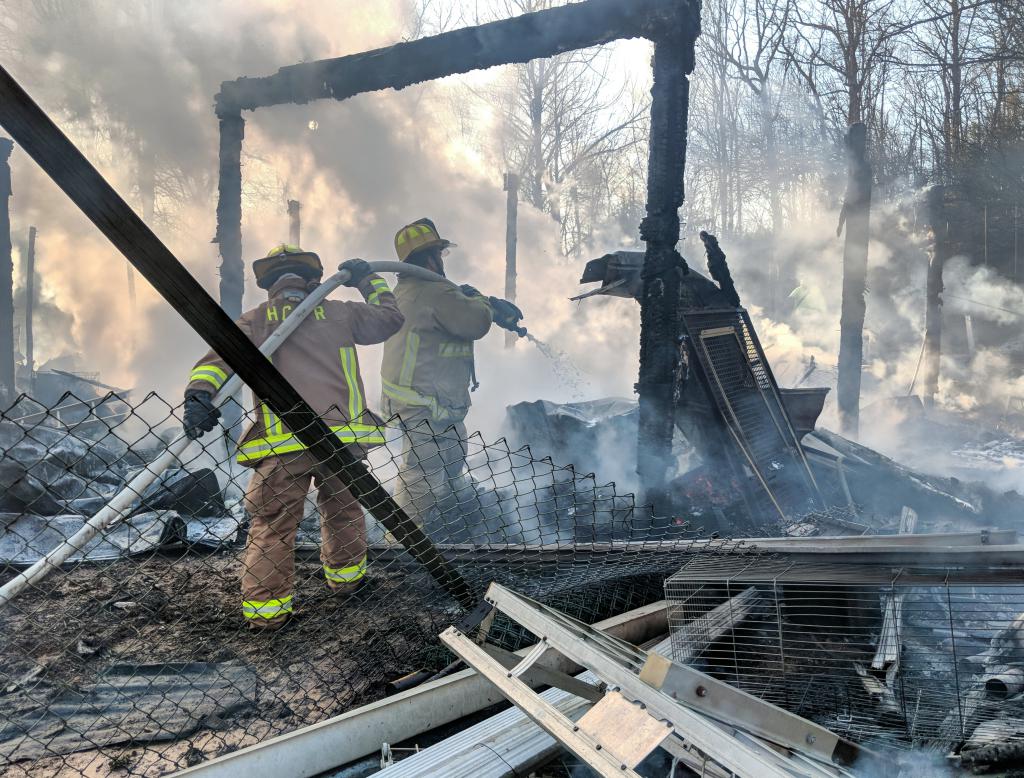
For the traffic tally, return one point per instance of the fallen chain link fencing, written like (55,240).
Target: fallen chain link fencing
(137,656)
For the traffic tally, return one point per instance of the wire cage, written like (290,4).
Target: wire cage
(924,657)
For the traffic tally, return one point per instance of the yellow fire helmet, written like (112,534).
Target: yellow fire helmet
(286,259)
(421,234)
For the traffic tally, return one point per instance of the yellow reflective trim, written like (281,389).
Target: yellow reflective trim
(275,445)
(409,396)
(266,609)
(272,313)
(412,348)
(374,298)
(350,366)
(456,349)
(213,369)
(216,382)
(319,314)
(346,574)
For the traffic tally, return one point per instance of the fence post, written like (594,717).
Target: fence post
(294,223)
(7,386)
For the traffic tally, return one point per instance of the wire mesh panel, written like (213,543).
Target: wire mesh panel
(739,381)
(149,648)
(930,658)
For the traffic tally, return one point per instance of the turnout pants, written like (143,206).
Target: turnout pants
(275,501)
(433,461)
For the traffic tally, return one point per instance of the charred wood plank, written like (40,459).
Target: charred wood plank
(519,39)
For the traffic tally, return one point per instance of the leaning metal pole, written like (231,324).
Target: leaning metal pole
(70,170)
(660,316)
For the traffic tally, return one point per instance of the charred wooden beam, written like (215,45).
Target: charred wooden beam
(229,213)
(519,39)
(661,324)
(71,171)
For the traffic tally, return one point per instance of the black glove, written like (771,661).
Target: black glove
(506,315)
(200,413)
(470,291)
(358,269)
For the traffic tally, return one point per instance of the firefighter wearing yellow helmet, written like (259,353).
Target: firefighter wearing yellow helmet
(428,369)
(319,359)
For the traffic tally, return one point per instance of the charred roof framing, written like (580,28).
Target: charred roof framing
(672,25)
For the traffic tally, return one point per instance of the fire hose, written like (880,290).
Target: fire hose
(121,504)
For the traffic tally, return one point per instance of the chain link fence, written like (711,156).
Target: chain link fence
(138,655)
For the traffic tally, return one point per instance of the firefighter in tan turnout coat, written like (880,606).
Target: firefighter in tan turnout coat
(319,359)
(428,369)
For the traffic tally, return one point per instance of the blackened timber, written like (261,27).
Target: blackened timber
(660,305)
(519,39)
(229,214)
(7,388)
(73,173)
(856,215)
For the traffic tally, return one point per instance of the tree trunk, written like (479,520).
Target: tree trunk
(511,239)
(771,164)
(7,387)
(857,211)
(936,208)
(537,142)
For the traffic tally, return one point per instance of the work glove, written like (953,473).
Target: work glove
(506,315)
(200,413)
(358,270)
(470,291)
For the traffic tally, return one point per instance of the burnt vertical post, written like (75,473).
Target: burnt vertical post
(856,215)
(7,387)
(511,242)
(294,223)
(30,301)
(660,309)
(229,212)
(936,210)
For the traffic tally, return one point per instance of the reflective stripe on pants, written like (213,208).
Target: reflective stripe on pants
(275,500)
(267,609)
(346,574)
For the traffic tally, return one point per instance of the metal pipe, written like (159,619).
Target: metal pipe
(1004,682)
(121,503)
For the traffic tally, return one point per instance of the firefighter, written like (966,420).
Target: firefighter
(319,359)
(428,368)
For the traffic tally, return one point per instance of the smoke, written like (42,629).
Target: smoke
(133,86)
